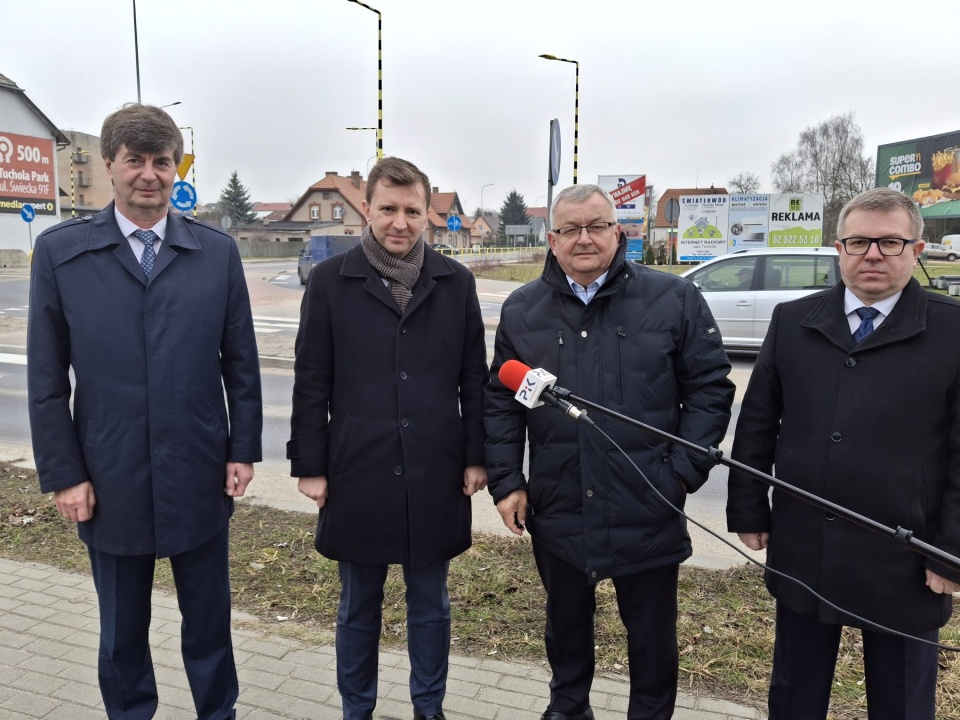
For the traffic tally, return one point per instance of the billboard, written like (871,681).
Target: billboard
(702,227)
(796,220)
(749,219)
(629,191)
(27,174)
(927,169)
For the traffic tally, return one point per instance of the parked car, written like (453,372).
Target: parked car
(742,288)
(318,248)
(446,249)
(935,251)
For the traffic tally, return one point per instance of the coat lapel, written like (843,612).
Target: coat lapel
(179,235)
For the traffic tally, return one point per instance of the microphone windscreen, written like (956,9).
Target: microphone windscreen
(512,373)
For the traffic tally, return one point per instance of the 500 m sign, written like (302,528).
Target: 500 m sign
(27,174)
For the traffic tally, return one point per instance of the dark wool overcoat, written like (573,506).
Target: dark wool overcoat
(873,427)
(388,406)
(153,362)
(647,347)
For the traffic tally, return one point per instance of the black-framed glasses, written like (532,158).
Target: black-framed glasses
(888,246)
(593,229)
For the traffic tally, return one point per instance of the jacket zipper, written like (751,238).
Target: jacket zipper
(559,352)
(620,340)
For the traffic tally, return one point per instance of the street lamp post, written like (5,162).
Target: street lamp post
(482,208)
(377,146)
(379,76)
(136,47)
(576,109)
(170,104)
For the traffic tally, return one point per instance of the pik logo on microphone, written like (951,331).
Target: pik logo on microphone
(532,387)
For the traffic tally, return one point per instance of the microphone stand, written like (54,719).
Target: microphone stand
(902,534)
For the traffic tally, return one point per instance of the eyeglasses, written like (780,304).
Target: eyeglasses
(593,229)
(887,246)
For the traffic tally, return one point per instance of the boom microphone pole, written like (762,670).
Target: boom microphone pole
(539,384)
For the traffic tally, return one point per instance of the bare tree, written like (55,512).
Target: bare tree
(746,183)
(828,160)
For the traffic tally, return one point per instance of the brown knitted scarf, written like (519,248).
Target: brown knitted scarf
(402,273)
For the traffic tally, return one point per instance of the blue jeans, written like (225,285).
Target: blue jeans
(359,623)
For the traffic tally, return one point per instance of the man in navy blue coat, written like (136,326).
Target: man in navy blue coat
(150,312)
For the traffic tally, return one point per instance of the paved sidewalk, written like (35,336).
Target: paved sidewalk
(48,656)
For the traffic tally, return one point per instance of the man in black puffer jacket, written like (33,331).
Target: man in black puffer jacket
(642,343)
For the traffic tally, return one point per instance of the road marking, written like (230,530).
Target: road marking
(13,359)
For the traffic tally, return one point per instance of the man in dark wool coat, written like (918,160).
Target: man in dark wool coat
(855,397)
(387,430)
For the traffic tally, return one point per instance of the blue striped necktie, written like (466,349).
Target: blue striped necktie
(147,237)
(867,314)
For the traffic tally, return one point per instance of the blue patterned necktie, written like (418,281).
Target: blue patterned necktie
(867,314)
(147,237)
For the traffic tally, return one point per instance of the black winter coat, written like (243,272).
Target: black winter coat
(389,408)
(647,347)
(874,427)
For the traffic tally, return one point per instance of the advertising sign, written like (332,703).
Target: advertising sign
(796,220)
(749,221)
(27,174)
(629,192)
(702,226)
(926,169)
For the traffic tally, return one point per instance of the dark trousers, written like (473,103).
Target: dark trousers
(648,608)
(901,674)
(359,622)
(124,584)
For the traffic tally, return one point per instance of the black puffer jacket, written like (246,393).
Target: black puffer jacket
(647,347)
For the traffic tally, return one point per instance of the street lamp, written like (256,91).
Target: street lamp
(482,208)
(136,47)
(576,110)
(379,76)
(377,146)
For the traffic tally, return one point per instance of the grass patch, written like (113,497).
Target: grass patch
(725,623)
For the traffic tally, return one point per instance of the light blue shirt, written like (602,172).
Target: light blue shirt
(586,293)
(128,229)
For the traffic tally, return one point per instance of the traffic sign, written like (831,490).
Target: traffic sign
(184,167)
(184,197)
(554,174)
(454,223)
(672,211)
(28,213)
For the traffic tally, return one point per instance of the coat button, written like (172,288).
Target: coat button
(583,333)
(398,470)
(589,493)
(404,422)
(403,330)
(836,437)
(830,516)
(849,362)
(403,375)
(593,574)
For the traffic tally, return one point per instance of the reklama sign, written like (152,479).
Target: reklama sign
(27,174)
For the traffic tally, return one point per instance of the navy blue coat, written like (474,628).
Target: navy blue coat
(389,407)
(647,347)
(149,426)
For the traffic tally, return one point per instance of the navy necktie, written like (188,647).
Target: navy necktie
(147,237)
(867,314)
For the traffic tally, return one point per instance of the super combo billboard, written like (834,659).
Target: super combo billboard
(27,174)
(927,169)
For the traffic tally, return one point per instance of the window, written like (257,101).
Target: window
(338,212)
(797,272)
(735,274)
(314,212)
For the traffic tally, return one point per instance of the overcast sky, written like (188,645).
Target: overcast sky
(690,93)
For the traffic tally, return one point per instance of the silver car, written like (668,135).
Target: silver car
(743,287)
(940,252)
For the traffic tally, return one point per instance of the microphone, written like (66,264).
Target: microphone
(534,388)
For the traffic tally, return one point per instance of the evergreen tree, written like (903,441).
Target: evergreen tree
(512,212)
(235,201)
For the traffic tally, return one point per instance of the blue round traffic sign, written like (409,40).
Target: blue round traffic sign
(183,197)
(454,223)
(27,213)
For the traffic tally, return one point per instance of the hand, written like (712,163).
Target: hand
(755,541)
(76,503)
(513,510)
(314,488)
(474,479)
(239,476)
(940,584)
